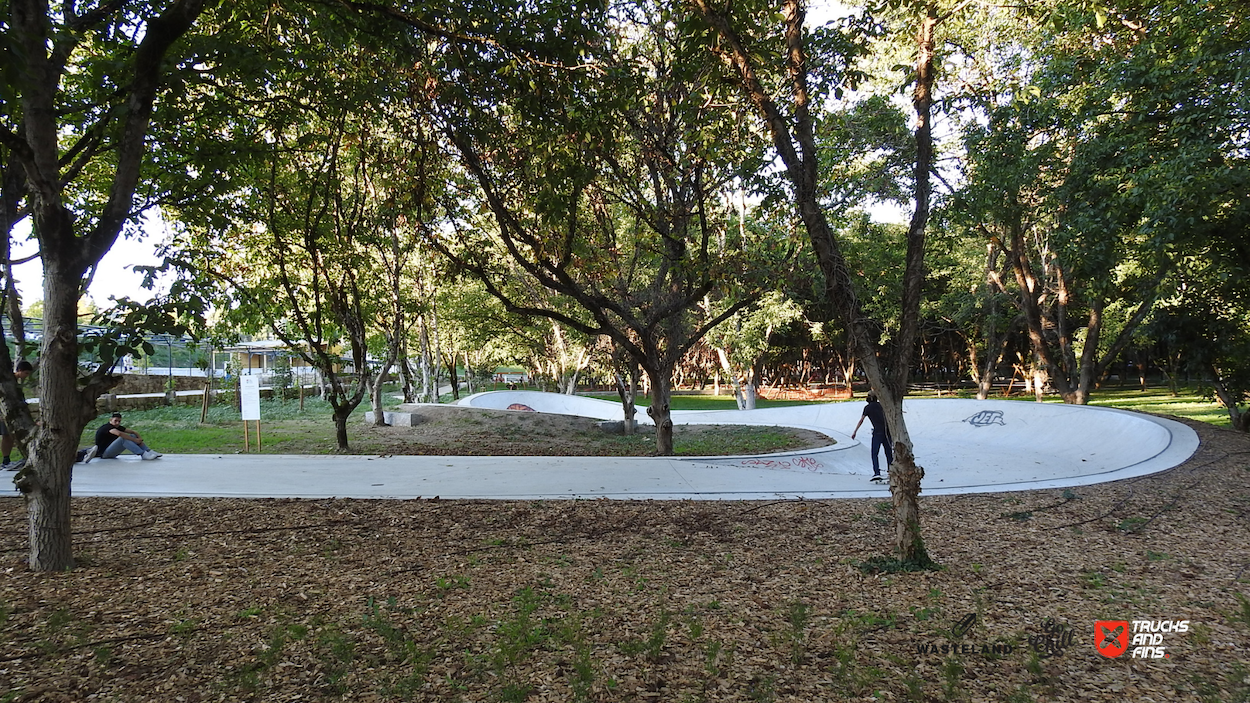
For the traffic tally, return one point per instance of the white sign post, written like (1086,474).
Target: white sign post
(249,403)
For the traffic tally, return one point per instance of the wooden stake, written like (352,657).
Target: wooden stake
(258,447)
(247,447)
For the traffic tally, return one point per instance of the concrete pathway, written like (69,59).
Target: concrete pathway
(966,446)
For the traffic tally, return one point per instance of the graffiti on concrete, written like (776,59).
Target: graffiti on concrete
(986,418)
(798,462)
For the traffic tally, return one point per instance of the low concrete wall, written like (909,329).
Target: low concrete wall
(134,383)
(115,402)
(396,419)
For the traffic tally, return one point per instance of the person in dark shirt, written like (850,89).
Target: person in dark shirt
(21,371)
(113,438)
(880,434)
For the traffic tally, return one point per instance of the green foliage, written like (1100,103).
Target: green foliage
(280,376)
(1241,614)
(891,565)
(652,646)
(952,678)
(413,657)
(798,617)
(747,335)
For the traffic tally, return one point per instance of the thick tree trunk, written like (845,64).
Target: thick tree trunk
(905,477)
(660,411)
(45,481)
(340,428)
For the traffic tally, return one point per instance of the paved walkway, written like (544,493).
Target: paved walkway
(966,446)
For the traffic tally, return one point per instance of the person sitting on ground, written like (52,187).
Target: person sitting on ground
(21,370)
(113,438)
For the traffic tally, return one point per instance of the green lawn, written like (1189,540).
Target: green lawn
(285,430)
(177,429)
(1188,403)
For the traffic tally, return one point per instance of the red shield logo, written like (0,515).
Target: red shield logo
(1111,637)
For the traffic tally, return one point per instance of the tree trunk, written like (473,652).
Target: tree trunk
(1239,420)
(37,50)
(429,389)
(405,373)
(375,395)
(739,394)
(660,412)
(340,428)
(569,386)
(436,353)
(905,477)
(983,379)
(628,391)
(455,380)
(45,481)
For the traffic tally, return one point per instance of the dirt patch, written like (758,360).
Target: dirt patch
(426,600)
(456,430)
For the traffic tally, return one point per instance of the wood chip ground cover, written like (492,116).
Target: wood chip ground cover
(327,600)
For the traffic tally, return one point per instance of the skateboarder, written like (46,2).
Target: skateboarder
(880,434)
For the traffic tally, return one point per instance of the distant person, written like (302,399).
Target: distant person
(21,371)
(880,434)
(113,438)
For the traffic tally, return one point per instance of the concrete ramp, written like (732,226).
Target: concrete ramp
(554,403)
(964,445)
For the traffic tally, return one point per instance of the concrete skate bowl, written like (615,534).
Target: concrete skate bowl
(965,446)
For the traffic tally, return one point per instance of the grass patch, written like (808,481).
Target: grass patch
(1189,401)
(284,430)
(891,565)
(287,430)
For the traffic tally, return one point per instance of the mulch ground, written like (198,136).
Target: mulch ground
(326,600)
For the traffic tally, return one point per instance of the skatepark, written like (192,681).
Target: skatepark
(965,446)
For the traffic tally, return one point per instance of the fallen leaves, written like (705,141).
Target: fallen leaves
(205,600)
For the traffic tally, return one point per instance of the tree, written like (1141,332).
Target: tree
(742,340)
(331,188)
(1101,157)
(740,41)
(1205,320)
(603,185)
(78,103)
